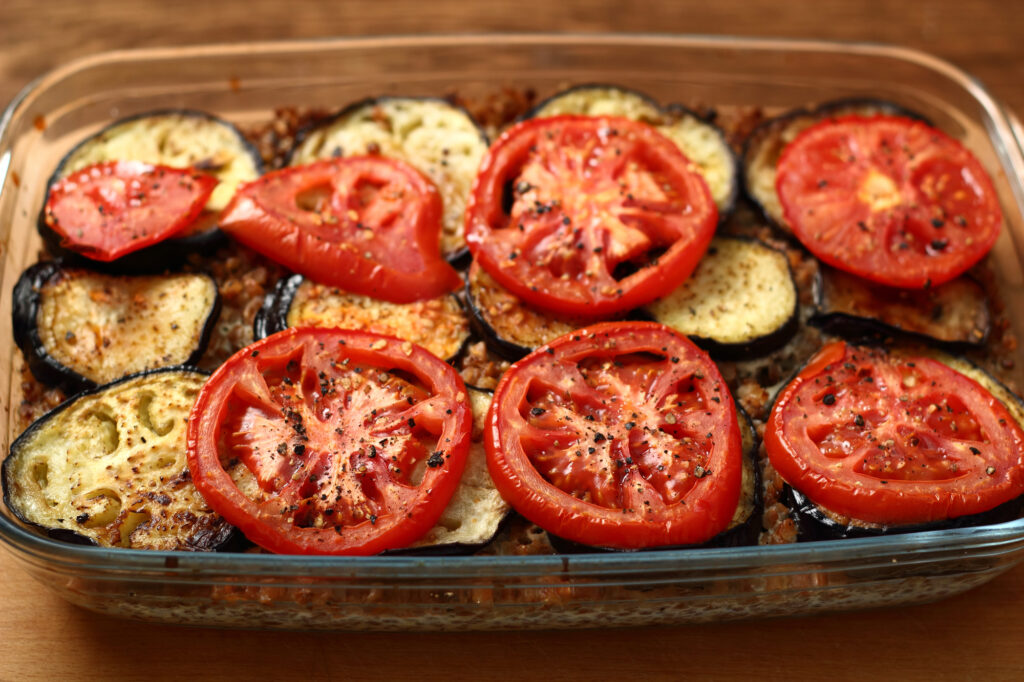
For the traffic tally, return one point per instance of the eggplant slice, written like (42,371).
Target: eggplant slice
(108,468)
(745,526)
(815,522)
(179,138)
(763,147)
(79,329)
(439,139)
(740,302)
(476,511)
(700,140)
(507,324)
(439,324)
(955,314)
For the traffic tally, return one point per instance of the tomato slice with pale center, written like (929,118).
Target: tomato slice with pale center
(111,209)
(618,435)
(317,441)
(887,198)
(892,439)
(367,224)
(588,215)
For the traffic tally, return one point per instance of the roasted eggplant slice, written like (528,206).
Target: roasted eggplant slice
(700,140)
(745,527)
(740,302)
(955,314)
(439,324)
(763,147)
(509,326)
(439,139)
(177,138)
(108,468)
(815,522)
(78,328)
(476,511)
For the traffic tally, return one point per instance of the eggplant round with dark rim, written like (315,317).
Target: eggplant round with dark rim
(78,328)
(507,324)
(108,468)
(701,141)
(765,143)
(740,302)
(955,314)
(179,138)
(439,139)
(439,324)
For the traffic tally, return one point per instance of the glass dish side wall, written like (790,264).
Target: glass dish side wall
(246,83)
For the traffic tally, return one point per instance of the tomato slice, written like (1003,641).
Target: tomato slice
(110,209)
(894,439)
(618,435)
(888,198)
(588,216)
(367,224)
(316,441)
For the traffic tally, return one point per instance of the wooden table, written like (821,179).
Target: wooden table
(976,635)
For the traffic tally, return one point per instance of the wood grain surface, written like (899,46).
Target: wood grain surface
(979,635)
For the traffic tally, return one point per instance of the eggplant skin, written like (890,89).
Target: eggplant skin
(78,328)
(438,138)
(172,137)
(954,315)
(508,326)
(700,140)
(741,302)
(440,325)
(108,468)
(746,525)
(817,523)
(764,145)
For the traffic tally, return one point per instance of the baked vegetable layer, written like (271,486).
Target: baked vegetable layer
(440,325)
(765,144)
(701,141)
(437,138)
(740,302)
(955,313)
(79,328)
(108,468)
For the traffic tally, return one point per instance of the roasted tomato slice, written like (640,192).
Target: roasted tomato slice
(315,441)
(619,435)
(894,439)
(110,209)
(588,216)
(888,198)
(367,224)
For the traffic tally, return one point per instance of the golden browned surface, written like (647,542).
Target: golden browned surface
(973,636)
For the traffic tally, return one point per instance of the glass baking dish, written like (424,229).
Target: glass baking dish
(245,83)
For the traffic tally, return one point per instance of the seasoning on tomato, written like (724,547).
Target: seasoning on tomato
(619,435)
(587,215)
(367,224)
(325,441)
(887,198)
(894,439)
(110,209)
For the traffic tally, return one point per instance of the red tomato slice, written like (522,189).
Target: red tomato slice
(315,441)
(894,440)
(888,198)
(110,209)
(618,435)
(588,216)
(367,224)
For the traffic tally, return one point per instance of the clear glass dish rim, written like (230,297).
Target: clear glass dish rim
(991,540)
